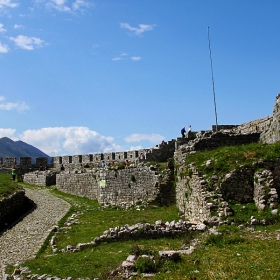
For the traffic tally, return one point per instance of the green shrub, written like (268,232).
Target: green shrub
(145,265)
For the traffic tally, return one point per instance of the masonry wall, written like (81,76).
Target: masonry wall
(160,153)
(80,184)
(40,178)
(119,187)
(191,199)
(12,204)
(271,133)
(199,199)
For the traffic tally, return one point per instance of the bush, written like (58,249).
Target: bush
(145,265)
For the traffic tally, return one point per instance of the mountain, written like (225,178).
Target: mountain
(10,148)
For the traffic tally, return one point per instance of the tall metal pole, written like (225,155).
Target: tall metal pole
(213,84)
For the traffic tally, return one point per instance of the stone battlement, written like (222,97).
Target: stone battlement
(159,153)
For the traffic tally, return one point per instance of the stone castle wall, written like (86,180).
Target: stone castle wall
(159,153)
(117,186)
(123,187)
(40,178)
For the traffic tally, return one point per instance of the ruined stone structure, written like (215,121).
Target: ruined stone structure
(139,182)
(199,199)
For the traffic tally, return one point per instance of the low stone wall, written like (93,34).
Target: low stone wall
(119,187)
(138,231)
(40,178)
(11,205)
(80,184)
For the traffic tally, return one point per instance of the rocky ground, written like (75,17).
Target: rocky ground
(23,241)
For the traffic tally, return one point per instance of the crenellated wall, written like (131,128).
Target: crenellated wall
(160,153)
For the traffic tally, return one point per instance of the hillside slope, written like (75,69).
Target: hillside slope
(10,148)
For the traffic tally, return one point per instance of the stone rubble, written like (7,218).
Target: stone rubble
(126,232)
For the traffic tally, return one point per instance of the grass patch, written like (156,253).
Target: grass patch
(7,186)
(243,213)
(226,159)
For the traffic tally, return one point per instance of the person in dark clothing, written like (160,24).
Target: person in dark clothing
(183,131)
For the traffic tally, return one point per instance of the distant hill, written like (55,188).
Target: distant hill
(10,148)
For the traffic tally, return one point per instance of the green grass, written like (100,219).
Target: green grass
(234,254)
(229,158)
(243,213)
(93,220)
(7,186)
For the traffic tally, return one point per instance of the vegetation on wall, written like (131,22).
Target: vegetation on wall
(225,159)
(7,186)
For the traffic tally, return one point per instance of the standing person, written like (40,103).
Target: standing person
(183,131)
(13,174)
(190,129)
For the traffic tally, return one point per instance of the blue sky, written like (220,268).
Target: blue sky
(80,76)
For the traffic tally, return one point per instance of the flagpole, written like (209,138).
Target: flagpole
(213,84)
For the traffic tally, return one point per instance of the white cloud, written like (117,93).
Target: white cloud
(78,4)
(136,58)
(58,5)
(120,57)
(7,132)
(58,141)
(4,48)
(27,43)
(8,106)
(138,30)
(7,4)
(18,26)
(117,58)
(2,29)
(153,138)
(63,6)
